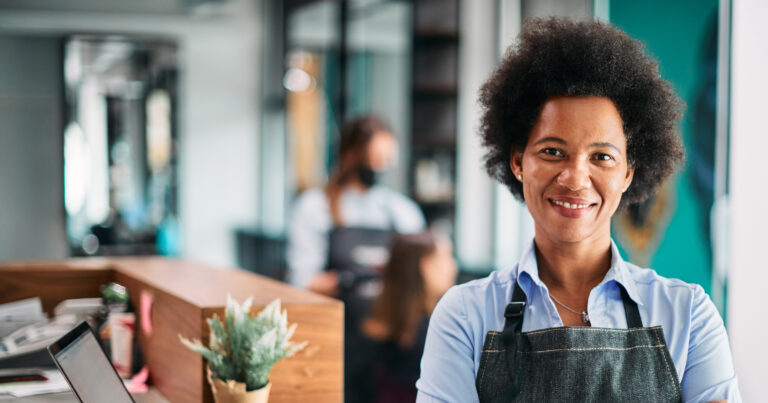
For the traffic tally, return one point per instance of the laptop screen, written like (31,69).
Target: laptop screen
(86,367)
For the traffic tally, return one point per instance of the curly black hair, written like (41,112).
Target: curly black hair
(560,57)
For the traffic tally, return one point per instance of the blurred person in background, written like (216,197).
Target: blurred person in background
(353,210)
(420,270)
(339,237)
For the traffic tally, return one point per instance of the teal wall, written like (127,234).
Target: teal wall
(674,32)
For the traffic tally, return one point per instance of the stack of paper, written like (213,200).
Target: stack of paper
(17,314)
(55,383)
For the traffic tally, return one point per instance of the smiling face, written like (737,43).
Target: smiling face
(574,168)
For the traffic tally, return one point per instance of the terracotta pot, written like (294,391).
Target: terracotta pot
(231,391)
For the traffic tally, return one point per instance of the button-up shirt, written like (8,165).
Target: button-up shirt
(693,329)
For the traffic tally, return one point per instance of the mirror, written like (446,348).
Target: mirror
(119,145)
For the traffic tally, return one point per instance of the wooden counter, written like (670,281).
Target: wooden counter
(184,294)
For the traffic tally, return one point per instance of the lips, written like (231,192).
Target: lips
(571,207)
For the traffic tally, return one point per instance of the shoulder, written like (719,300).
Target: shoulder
(487,288)
(311,201)
(480,303)
(393,197)
(664,290)
(313,196)
(310,209)
(405,212)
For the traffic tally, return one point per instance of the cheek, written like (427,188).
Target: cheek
(611,187)
(535,184)
(381,158)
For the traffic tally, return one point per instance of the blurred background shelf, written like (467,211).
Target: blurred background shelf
(434,103)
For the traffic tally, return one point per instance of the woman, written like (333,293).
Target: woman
(420,270)
(577,123)
(339,236)
(326,224)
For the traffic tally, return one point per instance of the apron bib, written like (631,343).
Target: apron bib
(356,255)
(576,364)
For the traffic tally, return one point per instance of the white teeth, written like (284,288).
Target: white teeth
(569,205)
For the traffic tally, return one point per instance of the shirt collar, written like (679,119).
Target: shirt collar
(528,270)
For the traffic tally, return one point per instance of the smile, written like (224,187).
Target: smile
(569,205)
(573,208)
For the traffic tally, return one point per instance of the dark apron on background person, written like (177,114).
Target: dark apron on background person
(357,255)
(576,364)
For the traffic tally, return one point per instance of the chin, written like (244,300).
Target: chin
(569,234)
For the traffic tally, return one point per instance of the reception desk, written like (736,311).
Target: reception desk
(175,297)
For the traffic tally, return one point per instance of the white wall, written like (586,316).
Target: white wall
(748,275)
(474,208)
(219,152)
(219,111)
(31,156)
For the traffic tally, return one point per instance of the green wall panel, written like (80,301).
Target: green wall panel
(679,34)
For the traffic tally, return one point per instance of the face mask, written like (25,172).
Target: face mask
(367,176)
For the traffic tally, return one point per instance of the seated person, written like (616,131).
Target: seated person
(421,268)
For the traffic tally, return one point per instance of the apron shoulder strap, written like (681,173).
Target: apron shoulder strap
(513,315)
(630,310)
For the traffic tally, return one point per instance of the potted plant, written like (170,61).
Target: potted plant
(243,348)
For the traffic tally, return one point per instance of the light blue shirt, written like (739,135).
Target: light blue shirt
(379,207)
(693,328)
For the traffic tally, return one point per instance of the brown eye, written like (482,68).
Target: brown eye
(603,157)
(554,152)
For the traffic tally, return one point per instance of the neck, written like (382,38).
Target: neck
(573,267)
(356,185)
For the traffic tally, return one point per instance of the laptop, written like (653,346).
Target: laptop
(85,366)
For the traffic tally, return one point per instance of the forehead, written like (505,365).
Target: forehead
(579,120)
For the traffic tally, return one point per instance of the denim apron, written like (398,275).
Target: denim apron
(575,363)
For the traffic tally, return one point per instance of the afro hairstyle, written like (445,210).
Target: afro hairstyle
(559,57)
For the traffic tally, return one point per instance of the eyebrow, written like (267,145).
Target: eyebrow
(563,142)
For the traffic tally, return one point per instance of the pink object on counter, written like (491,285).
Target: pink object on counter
(145,312)
(138,384)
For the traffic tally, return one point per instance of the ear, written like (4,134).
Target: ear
(628,178)
(516,161)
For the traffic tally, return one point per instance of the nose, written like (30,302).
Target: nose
(575,175)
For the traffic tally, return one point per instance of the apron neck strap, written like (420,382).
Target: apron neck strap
(513,313)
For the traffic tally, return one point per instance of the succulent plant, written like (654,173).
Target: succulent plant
(244,347)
